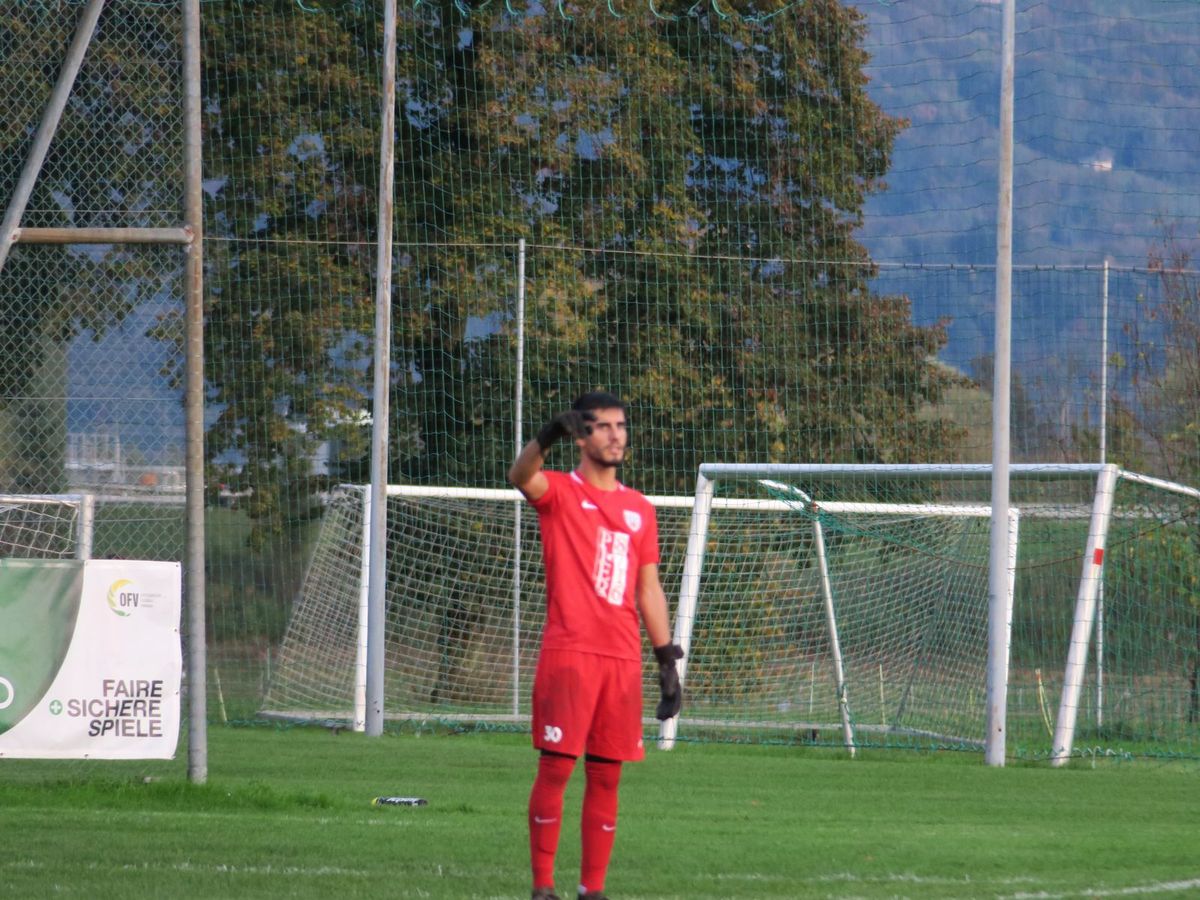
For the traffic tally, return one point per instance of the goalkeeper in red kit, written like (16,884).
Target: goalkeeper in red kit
(600,547)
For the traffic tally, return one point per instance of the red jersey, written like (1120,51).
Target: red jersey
(594,543)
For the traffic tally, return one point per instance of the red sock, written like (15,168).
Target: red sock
(545,814)
(599,824)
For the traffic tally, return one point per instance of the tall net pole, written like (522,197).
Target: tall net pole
(194,400)
(376,596)
(999,561)
(1103,429)
(519,439)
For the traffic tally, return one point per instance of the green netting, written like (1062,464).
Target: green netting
(769,226)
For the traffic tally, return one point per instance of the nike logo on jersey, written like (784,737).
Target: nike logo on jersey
(588,504)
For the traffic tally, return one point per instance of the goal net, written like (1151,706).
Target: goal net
(465,608)
(465,605)
(45,526)
(1102,605)
(864,617)
(846,607)
(1106,649)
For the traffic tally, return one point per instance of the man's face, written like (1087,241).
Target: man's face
(606,444)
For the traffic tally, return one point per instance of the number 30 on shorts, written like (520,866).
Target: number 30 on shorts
(552,734)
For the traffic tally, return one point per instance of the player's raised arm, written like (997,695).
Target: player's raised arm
(525,474)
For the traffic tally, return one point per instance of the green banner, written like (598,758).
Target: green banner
(39,602)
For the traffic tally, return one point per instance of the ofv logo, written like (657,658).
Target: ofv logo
(122,598)
(125,597)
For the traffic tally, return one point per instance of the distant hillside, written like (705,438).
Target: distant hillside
(1107,128)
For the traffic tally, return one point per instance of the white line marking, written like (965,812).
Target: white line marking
(239,815)
(1162,887)
(216,868)
(894,878)
(1156,887)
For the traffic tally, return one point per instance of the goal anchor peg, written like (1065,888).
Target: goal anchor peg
(399,801)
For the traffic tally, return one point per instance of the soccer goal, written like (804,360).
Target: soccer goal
(846,606)
(465,608)
(856,598)
(865,611)
(465,605)
(46,526)
(462,609)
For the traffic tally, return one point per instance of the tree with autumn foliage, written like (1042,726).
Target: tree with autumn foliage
(688,185)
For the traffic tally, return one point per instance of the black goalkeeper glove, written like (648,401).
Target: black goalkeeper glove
(668,681)
(570,423)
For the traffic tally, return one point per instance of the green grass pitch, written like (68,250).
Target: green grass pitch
(287,812)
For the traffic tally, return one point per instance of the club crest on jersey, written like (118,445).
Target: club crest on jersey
(633,519)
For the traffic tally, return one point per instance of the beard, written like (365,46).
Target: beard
(603,459)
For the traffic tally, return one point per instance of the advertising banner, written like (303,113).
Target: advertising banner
(90,659)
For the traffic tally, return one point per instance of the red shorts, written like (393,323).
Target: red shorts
(583,702)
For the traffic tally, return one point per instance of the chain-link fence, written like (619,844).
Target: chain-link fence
(763,228)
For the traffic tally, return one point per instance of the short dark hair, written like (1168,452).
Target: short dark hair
(597,400)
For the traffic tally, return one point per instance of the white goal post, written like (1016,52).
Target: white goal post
(952,525)
(456,565)
(46,526)
(812,600)
(452,548)
(1093,511)
(465,604)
